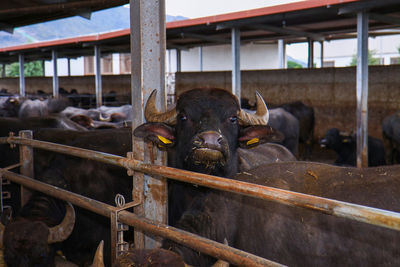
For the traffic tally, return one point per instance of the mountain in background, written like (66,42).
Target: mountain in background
(112,19)
(302,63)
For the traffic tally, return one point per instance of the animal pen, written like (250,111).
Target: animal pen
(119,214)
(148,75)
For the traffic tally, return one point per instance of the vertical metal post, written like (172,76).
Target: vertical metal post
(21,75)
(97,64)
(178,60)
(310,53)
(44,68)
(322,53)
(148,73)
(54,57)
(201,57)
(69,66)
(26,159)
(362,89)
(281,54)
(3,70)
(236,82)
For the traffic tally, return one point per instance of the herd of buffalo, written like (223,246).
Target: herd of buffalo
(207,131)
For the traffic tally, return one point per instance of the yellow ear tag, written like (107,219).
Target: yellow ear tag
(253,141)
(164,140)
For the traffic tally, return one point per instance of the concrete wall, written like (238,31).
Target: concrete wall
(84,84)
(331,91)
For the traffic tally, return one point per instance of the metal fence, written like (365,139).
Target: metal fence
(365,214)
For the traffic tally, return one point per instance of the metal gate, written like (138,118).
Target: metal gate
(365,214)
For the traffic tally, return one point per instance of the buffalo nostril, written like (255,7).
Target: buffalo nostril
(209,138)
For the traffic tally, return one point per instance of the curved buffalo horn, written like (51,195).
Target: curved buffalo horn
(101,118)
(151,113)
(62,231)
(98,260)
(261,116)
(219,263)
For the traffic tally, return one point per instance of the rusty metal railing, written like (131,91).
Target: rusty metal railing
(204,245)
(365,214)
(356,212)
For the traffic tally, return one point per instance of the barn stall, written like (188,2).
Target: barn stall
(212,178)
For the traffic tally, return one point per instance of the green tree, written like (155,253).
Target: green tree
(33,68)
(293,65)
(371,59)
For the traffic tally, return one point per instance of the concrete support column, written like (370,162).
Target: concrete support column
(236,82)
(148,45)
(362,89)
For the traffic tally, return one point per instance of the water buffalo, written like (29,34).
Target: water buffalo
(34,234)
(295,236)
(204,131)
(345,147)
(391,138)
(89,178)
(288,125)
(305,115)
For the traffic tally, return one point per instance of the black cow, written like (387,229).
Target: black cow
(33,236)
(205,129)
(345,147)
(305,115)
(9,106)
(391,138)
(296,236)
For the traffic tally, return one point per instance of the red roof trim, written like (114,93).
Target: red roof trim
(257,12)
(186,23)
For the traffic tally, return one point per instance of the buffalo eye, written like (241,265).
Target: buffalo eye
(233,119)
(182,117)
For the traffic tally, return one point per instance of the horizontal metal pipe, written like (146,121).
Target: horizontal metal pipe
(201,244)
(365,214)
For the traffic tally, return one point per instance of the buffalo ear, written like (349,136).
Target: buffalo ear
(254,135)
(159,133)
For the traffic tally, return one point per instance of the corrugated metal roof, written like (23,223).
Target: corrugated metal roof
(17,13)
(295,22)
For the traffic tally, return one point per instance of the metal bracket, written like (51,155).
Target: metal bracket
(11,134)
(130,172)
(118,245)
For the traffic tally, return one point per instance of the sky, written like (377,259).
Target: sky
(203,8)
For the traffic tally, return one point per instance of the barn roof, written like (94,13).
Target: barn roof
(295,22)
(17,13)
